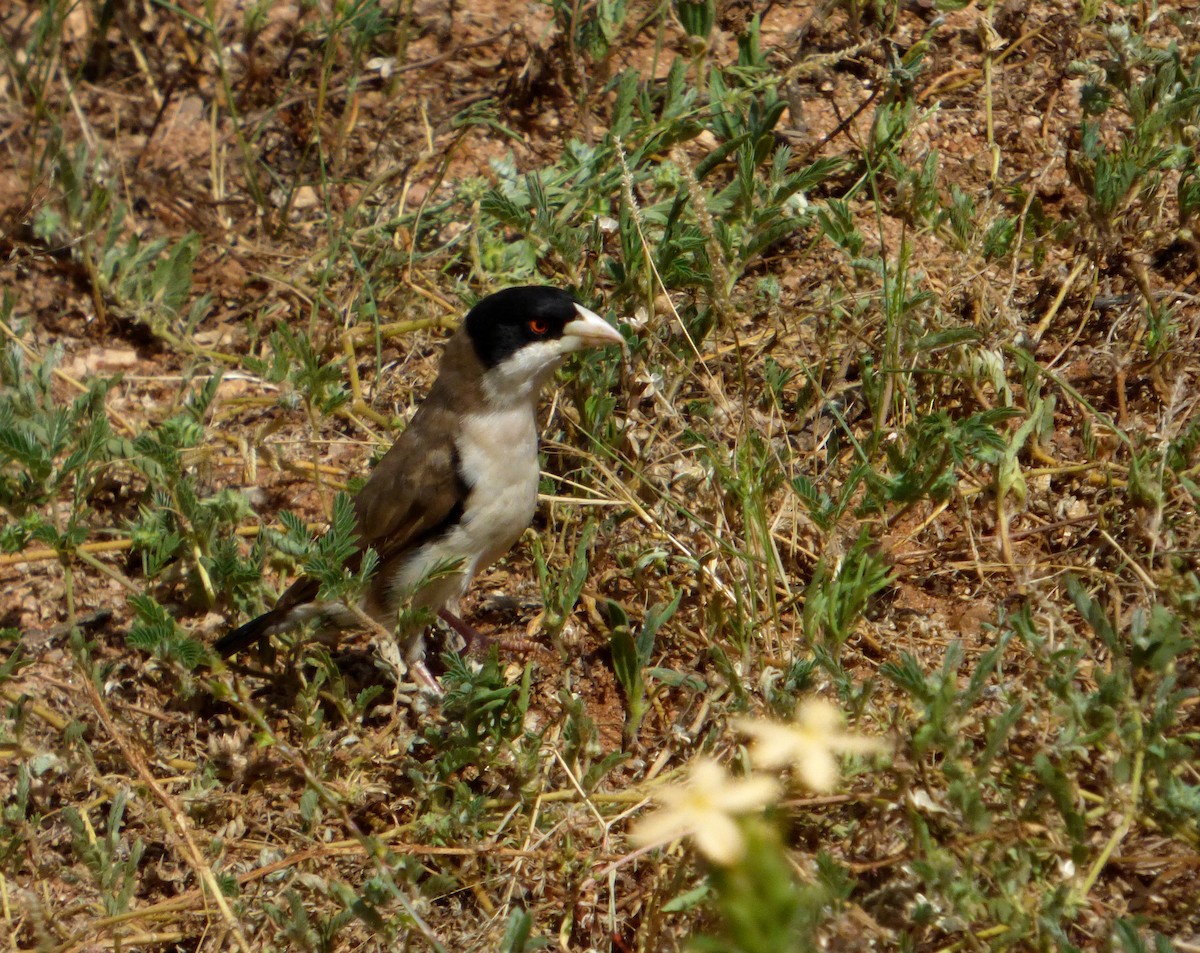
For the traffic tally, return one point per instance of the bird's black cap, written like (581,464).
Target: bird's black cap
(503,323)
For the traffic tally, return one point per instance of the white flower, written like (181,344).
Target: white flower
(703,808)
(385,65)
(807,745)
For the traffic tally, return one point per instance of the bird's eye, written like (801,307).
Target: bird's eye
(538,326)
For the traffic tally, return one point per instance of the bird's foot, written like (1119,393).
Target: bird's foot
(519,645)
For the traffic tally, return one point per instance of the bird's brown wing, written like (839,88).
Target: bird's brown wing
(418,488)
(416,491)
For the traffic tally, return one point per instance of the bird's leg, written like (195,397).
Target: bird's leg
(415,654)
(422,676)
(474,638)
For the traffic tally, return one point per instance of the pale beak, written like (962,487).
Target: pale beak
(589,330)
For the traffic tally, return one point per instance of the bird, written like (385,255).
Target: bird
(459,485)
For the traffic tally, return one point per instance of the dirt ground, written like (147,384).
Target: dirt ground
(348,143)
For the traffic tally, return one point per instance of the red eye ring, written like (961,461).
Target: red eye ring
(538,325)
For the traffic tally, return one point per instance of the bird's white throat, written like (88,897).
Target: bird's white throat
(519,378)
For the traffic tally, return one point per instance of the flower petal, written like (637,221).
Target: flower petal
(774,744)
(819,717)
(817,770)
(661,826)
(720,840)
(706,774)
(747,794)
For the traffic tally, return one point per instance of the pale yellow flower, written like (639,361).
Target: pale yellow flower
(807,745)
(703,808)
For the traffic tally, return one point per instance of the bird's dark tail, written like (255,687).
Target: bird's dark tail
(289,611)
(247,635)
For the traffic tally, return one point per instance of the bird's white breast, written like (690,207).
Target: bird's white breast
(498,461)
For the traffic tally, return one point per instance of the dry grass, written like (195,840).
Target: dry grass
(918,437)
